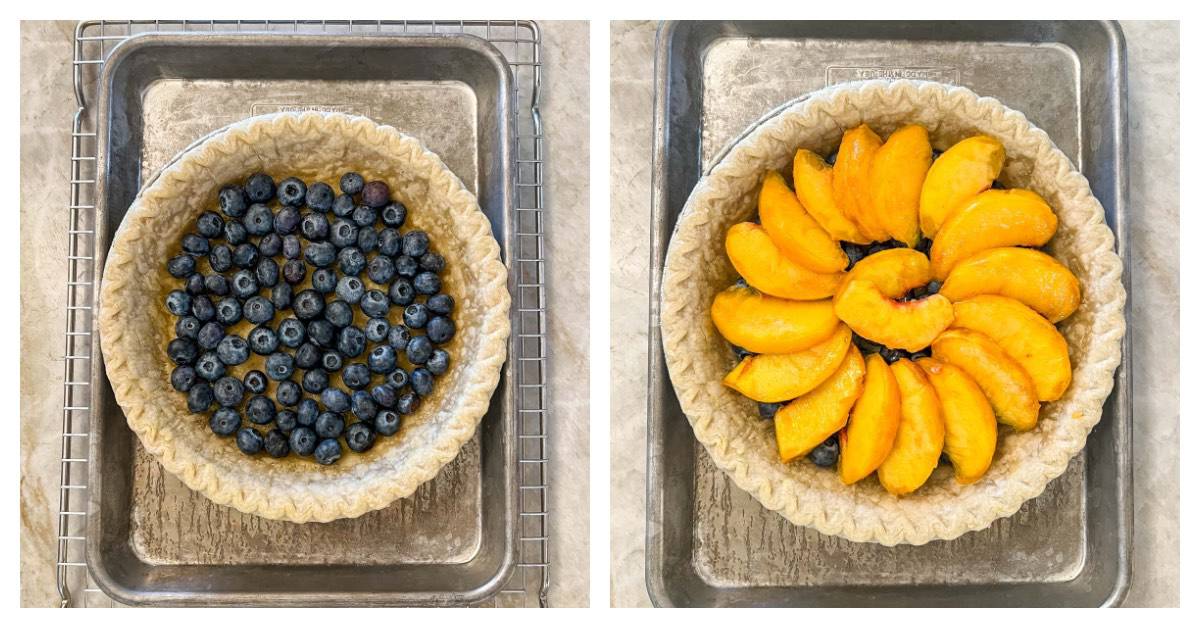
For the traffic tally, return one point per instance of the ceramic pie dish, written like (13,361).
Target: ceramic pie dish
(698,357)
(134,328)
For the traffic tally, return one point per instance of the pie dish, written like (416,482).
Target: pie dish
(134,327)
(698,357)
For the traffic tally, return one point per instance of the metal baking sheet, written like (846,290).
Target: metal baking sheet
(708,542)
(150,539)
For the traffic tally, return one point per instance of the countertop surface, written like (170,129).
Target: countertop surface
(1153,56)
(46,109)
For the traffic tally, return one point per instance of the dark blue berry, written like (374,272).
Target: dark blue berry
(235,234)
(368,239)
(339,313)
(854,252)
(324,280)
(768,410)
(331,361)
(303,441)
(356,376)
(389,242)
(280,366)
(890,355)
(440,330)
(362,405)
(351,183)
(182,351)
(179,303)
(255,382)
(374,304)
(319,197)
(195,244)
(309,304)
(244,285)
(419,350)
(376,329)
(258,310)
(210,335)
(440,303)
(414,244)
(287,393)
(401,292)
(281,297)
(291,246)
(194,284)
(381,269)
(200,397)
(394,213)
(216,284)
(187,327)
(350,289)
(825,454)
(260,410)
(375,194)
(307,356)
(328,451)
(228,391)
(387,422)
(439,362)
(320,254)
(210,225)
(427,283)
(232,201)
(203,309)
(398,378)
(183,378)
(225,421)
(246,255)
(220,258)
(181,266)
(291,191)
(307,412)
(343,233)
(335,400)
(416,316)
(270,245)
(924,245)
(286,221)
(382,359)
(260,188)
(259,220)
(433,262)
(233,350)
(275,443)
(315,381)
(343,205)
(291,333)
(321,332)
(866,346)
(351,342)
(263,340)
(314,227)
(359,436)
(209,366)
(249,441)
(294,271)
(407,266)
(933,287)
(421,381)
(229,311)
(407,403)
(364,216)
(384,395)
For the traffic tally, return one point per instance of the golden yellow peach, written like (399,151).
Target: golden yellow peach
(1005,384)
(908,325)
(893,271)
(1027,275)
(850,180)
(813,179)
(919,436)
(807,421)
(992,219)
(895,181)
(964,170)
(795,232)
(765,324)
(970,423)
(775,377)
(765,267)
(869,435)
(1030,340)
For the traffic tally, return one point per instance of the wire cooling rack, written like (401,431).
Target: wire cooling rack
(520,42)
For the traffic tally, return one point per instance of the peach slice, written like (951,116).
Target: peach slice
(908,325)
(970,423)
(1030,340)
(850,184)
(775,377)
(873,423)
(1027,275)
(895,181)
(920,435)
(765,324)
(992,219)
(794,231)
(893,271)
(807,421)
(964,170)
(765,267)
(813,179)
(1005,384)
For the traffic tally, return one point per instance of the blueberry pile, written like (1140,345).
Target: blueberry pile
(305,318)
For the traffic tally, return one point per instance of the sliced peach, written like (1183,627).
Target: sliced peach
(992,219)
(775,377)
(897,174)
(908,325)
(964,170)
(765,267)
(919,436)
(1005,384)
(873,423)
(970,423)
(850,179)
(794,231)
(1027,275)
(893,271)
(813,179)
(765,324)
(807,421)
(1030,340)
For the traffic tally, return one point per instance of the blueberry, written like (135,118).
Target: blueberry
(384,395)
(187,327)
(416,315)
(339,313)
(389,242)
(291,246)
(195,244)
(440,329)
(320,254)
(351,342)
(387,422)
(319,197)
(330,424)
(275,443)
(440,303)
(364,216)
(270,245)
(350,289)
(407,403)
(210,335)
(225,421)
(414,244)
(281,297)
(203,308)
(854,252)
(360,437)
(351,183)
(209,366)
(194,284)
(287,393)
(260,410)
(825,454)
(328,451)
(280,366)
(419,350)
(262,340)
(183,378)
(368,239)
(303,441)
(291,191)
(866,346)
(394,214)
(258,310)
(200,397)
(381,269)
(362,405)
(398,378)
(291,333)
(228,391)
(407,266)
(307,356)
(235,233)
(343,205)
(427,283)
(335,400)
(229,311)
(331,362)
(210,225)
(433,262)
(315,381)
(376,329)
(382,359)
(267,272)
(244,285)
(356,376)
(343,233)
(249,441)
(220,258)
(246,255)
(216,284)
(924,245)
(321,332)
(286,221)
(308,305)
(232,201)
(233,350)
(933,287)
(883,246)
(401,292)
(181,266)
(294,271)
(260,187)
(314,227)
(324,280)
(768,410)
(259,220)
(421,381)
(255,382)
(891,355)
(374,304)
(375,194)
(179,303)
(351,261)
(439,362)
(307,412)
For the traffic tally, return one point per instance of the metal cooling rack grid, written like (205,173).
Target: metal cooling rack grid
(520,43)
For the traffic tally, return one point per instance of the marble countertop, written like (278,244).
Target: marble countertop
(46,110)
(1153,55)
